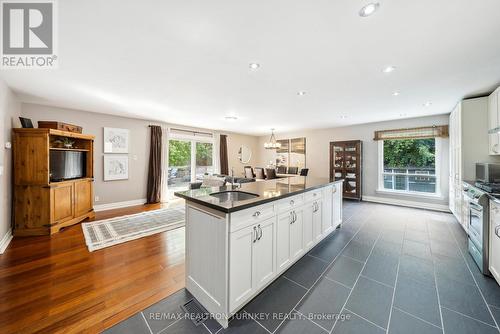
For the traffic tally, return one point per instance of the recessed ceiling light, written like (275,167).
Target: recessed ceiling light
(402,115)
(230,118)
(389,69)
(396,93)
(301,93)
(254,66)
(369,9)
(343,116)
(427,104)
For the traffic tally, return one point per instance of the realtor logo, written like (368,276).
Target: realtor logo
(28,31)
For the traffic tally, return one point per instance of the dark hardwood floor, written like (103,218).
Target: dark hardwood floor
(55,285)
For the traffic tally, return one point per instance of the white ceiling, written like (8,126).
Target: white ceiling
(187,62)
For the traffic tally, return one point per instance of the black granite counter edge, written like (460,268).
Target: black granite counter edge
(254,203)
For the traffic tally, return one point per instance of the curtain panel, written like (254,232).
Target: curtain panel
(155,166)
(413,133)
(224,164)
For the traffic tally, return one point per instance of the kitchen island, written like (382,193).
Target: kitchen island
(240,239)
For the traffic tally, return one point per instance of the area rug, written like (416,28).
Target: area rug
(109,232)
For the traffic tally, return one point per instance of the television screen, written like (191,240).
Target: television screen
(66,165)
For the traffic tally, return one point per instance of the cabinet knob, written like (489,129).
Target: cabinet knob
(256,214)
(497,231)
(292,202)
(334,190)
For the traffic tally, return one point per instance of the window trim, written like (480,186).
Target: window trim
(382,190)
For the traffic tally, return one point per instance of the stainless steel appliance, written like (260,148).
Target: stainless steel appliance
(478,203)
(488,172)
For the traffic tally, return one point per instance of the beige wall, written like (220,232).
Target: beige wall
(9,113)
(234,142)
(135,187)
(317,152)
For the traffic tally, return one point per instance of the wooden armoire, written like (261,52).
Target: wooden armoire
(43,206)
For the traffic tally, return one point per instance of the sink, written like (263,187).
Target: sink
(233,196)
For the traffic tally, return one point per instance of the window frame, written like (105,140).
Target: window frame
(381,189)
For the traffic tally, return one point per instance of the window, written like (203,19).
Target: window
(410,166)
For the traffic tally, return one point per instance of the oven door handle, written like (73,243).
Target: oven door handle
(476,207)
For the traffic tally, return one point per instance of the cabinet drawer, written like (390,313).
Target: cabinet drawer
(312,195)
(290,203)
(244,218)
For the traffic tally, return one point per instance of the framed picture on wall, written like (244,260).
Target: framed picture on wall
(116,140)
(115,167)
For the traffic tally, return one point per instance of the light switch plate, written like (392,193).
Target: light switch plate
(1,170)
(8,145)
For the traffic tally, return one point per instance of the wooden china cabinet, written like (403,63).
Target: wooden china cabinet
(346,163)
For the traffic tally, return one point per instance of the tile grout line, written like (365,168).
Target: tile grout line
(324,271)
(258,323)
(317,258)
(381,283)
(468,316)
(396,281)
(176,321)
(334,281)
(351,258)
(414,316)
(143,317)
(371,322)
(356,282)
(307,318)
(474,278)
(291,280)
(437,290)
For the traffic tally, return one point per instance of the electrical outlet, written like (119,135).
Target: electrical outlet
(1,170)
(8,145)
(96,199)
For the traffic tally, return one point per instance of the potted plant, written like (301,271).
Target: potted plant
(65,142)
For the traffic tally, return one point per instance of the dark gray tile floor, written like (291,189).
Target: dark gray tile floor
(387,270)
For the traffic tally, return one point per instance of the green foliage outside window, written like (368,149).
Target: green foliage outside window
(404,153)
(179,153)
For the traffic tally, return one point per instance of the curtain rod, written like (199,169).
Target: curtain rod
(193,132)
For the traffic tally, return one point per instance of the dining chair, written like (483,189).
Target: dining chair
(304,171)
(259,173)
(281,170)
(249,172)
(293,170)
(270,173)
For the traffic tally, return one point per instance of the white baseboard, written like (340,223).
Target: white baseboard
(5,241)
(118,205)
(411,204)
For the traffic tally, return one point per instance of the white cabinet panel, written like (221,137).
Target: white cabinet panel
(337,205)
(308,214)
(317,221)
(296,234)
(240,264)
(264,253)
(494,258)
(493,123)
(283,240)
(327,206)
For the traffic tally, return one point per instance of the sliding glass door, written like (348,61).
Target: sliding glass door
(188,161)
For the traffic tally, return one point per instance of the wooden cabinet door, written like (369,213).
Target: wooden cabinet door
(327,205)
(83,197)
(62,200)
(317,222)
(308,225)
(264,267)
(240,265)
(283,240)
(297,235)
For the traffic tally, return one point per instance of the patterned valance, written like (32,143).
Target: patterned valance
(413,133)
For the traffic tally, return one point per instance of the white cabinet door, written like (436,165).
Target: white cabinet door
(337,205)
(264,253)
(494,259)
(327,206)
(308,214)
(283,240)
(296,234)
(493,122)
(240,266)
(317,221)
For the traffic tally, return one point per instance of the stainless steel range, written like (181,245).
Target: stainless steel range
(478,203)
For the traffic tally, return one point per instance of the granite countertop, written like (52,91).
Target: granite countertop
(268,191)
